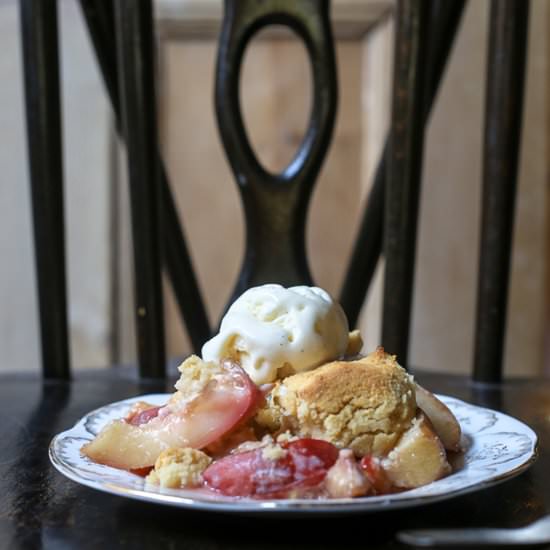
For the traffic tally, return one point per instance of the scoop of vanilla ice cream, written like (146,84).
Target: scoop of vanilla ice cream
(273,331)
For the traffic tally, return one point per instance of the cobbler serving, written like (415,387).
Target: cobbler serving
(283,405)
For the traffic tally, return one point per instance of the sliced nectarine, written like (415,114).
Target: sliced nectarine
(228,398)
(418,458)
(443,420)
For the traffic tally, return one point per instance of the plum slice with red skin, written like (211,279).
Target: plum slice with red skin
(303,464)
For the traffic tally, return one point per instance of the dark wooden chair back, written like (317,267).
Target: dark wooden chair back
(275,205)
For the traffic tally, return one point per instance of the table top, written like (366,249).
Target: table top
(39,508)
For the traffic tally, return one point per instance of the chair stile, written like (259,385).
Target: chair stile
(503,118)
(402,191)
(443,26)
(134,31)
(43,113)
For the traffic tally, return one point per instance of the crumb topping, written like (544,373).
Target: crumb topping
(195,376)
(273,451)
(179,467)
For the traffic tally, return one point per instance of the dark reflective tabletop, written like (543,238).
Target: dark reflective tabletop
(39,508)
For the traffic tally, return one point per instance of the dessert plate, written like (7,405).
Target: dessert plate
(496,447)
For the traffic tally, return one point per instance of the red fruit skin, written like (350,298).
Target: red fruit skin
(251,474)
(144,416)
(376,475)
(142,472)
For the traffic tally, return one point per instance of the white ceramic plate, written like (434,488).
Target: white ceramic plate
(497,447)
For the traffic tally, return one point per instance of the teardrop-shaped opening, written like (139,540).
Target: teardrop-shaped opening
(276,96)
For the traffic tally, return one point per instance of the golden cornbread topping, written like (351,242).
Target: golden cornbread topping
(364,405)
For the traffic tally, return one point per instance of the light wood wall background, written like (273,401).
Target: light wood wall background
(275,92)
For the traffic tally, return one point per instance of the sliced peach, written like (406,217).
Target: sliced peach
(443,420)
(228,398)
(346,479)
(418,458)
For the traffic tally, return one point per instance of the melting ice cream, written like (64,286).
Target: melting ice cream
(272,331)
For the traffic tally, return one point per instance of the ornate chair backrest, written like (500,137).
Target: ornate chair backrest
(275,205)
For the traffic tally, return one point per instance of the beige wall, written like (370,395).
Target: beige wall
(86,132)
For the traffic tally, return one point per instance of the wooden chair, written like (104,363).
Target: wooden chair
(275,205)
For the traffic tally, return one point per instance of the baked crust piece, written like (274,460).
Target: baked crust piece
(179,467)
(364,405)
